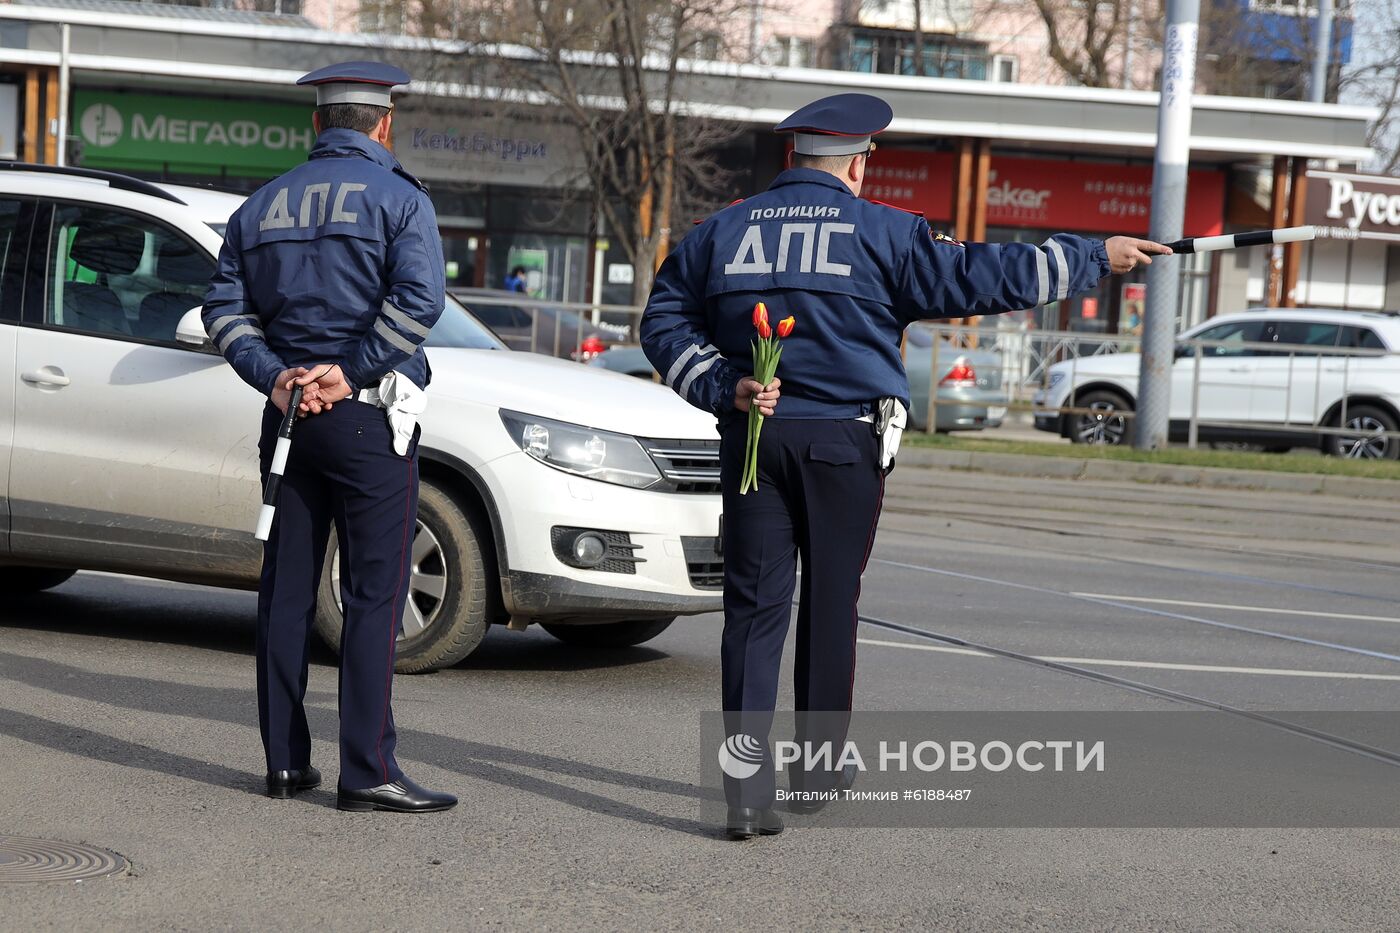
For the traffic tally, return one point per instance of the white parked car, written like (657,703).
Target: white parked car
(1271,398)
(551,492)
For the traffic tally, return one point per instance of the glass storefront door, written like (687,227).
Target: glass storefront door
(459,252)
(556,267)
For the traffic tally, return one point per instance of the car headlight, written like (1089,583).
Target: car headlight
(1056,377)
(573,448)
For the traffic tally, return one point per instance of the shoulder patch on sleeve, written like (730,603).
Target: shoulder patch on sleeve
(896,207)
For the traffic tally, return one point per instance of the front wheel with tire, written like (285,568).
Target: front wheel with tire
(1102,420)
(609,634)
(444,618)
(22,581)
(1367,428)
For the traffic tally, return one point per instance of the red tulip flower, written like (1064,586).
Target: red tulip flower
(767,349)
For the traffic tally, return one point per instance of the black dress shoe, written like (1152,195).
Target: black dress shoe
(285,784)
(844,780)
(747,822)
(401,796)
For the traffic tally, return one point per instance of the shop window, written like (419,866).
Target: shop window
(120,274)
(534,210)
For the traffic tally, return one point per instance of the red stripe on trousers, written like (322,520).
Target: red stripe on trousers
(855,609)
(394,629)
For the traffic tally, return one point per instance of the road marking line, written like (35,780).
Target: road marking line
(1288,612)
(1120,604)
(1155,665)
(973,652)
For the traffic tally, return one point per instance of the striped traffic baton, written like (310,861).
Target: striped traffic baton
(1205,244)
(279,463)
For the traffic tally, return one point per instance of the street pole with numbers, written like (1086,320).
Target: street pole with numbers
(1168,212)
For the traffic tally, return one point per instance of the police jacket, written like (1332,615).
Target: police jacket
(854,274)
(337,261)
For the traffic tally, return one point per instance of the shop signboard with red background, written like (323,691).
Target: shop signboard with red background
(1043,193)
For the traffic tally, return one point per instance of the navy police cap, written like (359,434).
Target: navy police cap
(355,83)
(841,124)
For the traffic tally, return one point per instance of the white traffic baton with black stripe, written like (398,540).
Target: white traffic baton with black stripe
(1205,244)
(279,463)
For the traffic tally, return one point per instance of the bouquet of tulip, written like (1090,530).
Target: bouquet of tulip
(766,352)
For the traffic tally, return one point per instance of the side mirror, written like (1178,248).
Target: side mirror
(190,330)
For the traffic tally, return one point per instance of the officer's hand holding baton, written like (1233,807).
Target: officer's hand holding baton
(328,382)
(294,401)
(1126,253)
(279,463)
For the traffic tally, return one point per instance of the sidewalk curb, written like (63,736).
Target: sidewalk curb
(1171,474)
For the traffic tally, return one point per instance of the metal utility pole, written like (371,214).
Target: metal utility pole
(1168,213)
(1322,52)
(61,127)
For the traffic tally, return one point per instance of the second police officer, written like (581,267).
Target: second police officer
(854,274)
(331,277)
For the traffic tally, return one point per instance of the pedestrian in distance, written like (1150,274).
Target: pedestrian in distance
(518,281)
(853,274)
(330,278)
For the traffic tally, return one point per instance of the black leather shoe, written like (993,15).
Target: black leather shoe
(285,784)
(747,822)
(401,796)
(844,780)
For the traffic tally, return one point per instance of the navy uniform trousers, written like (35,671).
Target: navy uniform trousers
(342,468)
(818,499)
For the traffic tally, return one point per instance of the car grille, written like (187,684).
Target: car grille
(703,562)
(690,466)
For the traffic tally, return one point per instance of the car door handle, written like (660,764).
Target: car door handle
(1240,369)
(47,376)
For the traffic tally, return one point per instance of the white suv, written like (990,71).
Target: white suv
(1248,393)
(551,492)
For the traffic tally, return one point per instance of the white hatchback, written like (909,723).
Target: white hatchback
(552,492)
(1343,373)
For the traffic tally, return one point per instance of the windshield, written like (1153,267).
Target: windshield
(457,328)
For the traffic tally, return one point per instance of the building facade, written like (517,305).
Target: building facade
(211,99)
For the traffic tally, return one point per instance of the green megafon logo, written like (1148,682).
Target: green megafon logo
(101,125)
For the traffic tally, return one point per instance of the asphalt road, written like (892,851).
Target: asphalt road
(128,721)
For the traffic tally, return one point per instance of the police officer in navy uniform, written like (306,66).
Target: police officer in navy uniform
(330,277)
(853,273)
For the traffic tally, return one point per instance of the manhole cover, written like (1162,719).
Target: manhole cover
(26,860)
